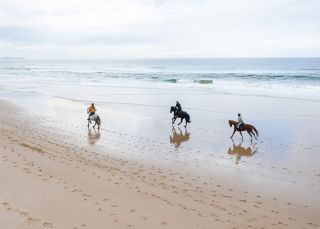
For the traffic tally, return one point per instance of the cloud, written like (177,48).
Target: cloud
(159,28)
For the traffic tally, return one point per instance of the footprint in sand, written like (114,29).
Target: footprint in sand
(163,223)
(48,225)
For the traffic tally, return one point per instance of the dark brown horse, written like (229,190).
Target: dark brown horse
(245,127)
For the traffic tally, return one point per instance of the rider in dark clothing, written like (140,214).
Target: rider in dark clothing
(178,107)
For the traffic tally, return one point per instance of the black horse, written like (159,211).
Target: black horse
(181,114)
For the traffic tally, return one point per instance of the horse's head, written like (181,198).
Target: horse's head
(230,123)
(172,109)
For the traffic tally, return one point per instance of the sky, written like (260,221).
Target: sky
(99,29)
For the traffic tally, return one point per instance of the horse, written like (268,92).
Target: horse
(245,127)
(181,114)
(96,119)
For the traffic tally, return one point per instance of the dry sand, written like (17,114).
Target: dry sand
(52,180)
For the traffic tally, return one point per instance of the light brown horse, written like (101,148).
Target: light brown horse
(245,127)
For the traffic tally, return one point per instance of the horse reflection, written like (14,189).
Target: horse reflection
(93,136)
(240,151)
(178,138)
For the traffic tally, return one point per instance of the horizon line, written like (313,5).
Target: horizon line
(157,58)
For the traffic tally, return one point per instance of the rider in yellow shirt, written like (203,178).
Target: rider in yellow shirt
(91,110)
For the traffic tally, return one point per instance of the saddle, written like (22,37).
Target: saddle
(180,112)
(241,127)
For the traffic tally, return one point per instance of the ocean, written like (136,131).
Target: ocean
(292,78)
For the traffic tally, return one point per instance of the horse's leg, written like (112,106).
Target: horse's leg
(180,121)
(254,135)
(233,133)
(186,124)
(174,119)
(241,134)
(249,134)
(88,124)
(94,125)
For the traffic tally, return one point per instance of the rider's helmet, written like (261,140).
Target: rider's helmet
(239,114)
(92,104)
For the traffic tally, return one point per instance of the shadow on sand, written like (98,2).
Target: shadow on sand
(93,136)
(239,151)
(178,138)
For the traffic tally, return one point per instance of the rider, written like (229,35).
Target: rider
(91,110)
(178,107)
(240,122)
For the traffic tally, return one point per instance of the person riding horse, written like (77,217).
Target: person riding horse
(179,113)
(91,110)
(178,107)
(93,116)
(240,122)
(241,126)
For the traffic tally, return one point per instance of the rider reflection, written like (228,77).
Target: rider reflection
(240,151)
(93,136)
(178,138)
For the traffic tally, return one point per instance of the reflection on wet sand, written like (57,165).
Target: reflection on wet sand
(240,151)
(93,136)
(178,138)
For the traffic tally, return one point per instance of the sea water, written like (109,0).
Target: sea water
(293,78)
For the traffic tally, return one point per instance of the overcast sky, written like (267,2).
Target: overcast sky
(159,28)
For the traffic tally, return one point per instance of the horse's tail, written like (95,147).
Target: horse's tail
(98,121)
(255,130)
(188,118)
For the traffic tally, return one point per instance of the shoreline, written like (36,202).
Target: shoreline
(54,181)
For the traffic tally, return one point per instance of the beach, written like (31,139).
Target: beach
(139,170)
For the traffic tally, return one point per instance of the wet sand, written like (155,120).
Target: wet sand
(56,174)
